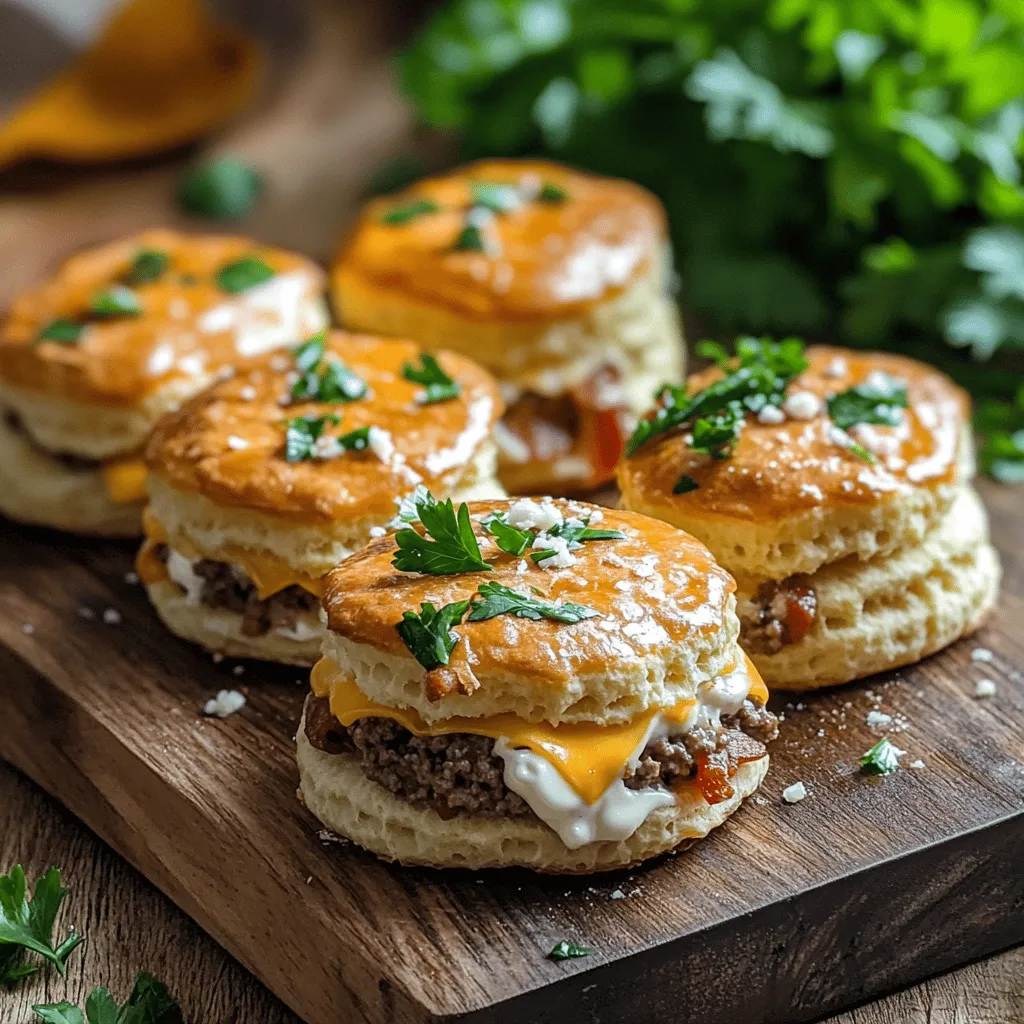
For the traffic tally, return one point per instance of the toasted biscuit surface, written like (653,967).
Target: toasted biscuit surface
(893,609)
(189,327)
(791,497)
(550,257)
(336,791)
(228,444)
(666,623)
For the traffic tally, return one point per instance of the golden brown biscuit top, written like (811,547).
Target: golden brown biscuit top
(229,442)
(656,590)
(778,469)
(188,324)
(544,257)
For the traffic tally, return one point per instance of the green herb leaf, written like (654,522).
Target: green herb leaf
(717,435)
(566,950)
(501,600)
(715,351)
(882,759)
(409,211)
(148,265)
(453,547)
(439,386)
(510,539)
(429,635)
(310,352)
(357,440)
(29,923)
(301,435)
(579,531)
(324,380)
(685,485)
(408,507)
(222,189)
(63,332)
(58,1013)
(12,970)
(243,274)
(117,300)
(551,193)
(494,196)
(101,1007)
(470,239)
(869,403)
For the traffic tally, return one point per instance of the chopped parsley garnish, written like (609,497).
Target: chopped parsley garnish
(510,539)
(716,352)
(408,507)
(27,925)
(357,440)
(148,265)
(685,485)
(63,332)
(717,413)
(880,402)
(302,433)
(117,300)
(449,547)
(552,193)
(575,531)
(406,212)
(494,196)
(438,385)
(470,239)
(429,635)
(243,274)
(149,1003)
(324,380)
(565,950)
(222,189)
(498,599)
(882,759)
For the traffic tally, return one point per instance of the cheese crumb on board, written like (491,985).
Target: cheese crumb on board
(795,793)
(227,702)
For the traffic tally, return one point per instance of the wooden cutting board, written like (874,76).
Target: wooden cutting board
(784,914)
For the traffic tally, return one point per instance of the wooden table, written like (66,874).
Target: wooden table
(131,926)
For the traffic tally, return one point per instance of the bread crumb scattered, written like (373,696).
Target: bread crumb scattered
(916,764)
(111,616)
(981,654)
(618,894)
(878,720)
(227,702)
(795,793)
(984,688)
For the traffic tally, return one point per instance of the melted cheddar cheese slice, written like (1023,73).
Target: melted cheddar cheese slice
(125,481)
(269,573)
(589,757)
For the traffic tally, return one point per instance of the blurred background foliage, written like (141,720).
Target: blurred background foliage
(849,170)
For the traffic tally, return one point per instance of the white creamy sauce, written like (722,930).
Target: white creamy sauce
(619,811)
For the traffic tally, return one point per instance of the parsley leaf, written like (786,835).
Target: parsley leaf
(501,600)
(222,189)
(429,635)
(406,212)
(882,759)
(453,547)
(29,923)
(324,379)
(470,239)
(63,332)
(716,352)
(149,1003)
(439,386)
(301,434)
(510,539)
(871,402)
(494,196)
(408,507)
(357,440)
(117,300)
(243,274)
(551,193)
(566,950)
(148,265)
(579,531)
(717,435)
(685,485)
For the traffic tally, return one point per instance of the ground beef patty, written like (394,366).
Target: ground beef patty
(460,774)
(782,612)
(224,586)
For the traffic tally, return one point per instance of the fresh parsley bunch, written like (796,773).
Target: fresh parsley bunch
(852,169)
(149,1003)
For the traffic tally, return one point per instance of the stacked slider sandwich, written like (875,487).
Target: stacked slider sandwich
(268,479)
(92,357)
(530,683)
(835,486)
(556,281)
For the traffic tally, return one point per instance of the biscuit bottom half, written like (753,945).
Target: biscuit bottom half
(60,491)
(855,617)
(446,820)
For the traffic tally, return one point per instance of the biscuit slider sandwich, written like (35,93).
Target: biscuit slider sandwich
(556,281)
(266,481)
(835,486)
(544,684)
(119,335)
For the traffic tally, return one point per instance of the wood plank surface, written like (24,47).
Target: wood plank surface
(130,926)
(784,915)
